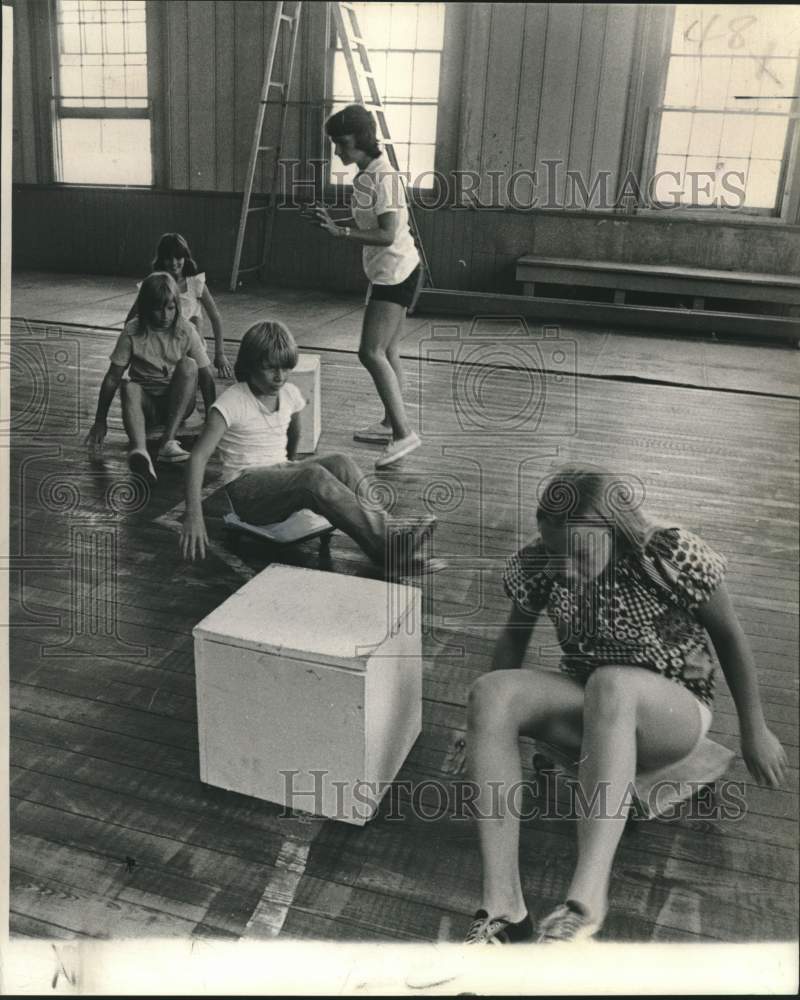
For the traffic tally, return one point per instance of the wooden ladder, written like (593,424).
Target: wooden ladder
(282,18)
(346,22)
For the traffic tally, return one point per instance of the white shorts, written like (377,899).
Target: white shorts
(705,718)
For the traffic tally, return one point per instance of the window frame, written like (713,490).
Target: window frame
(787,200)
(57,113)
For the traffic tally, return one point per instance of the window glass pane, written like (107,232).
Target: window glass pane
(676,128)
(398,75)
(423,123)
(762,183)
(737,134)
(669,179)
(403,33)
(430,26)
(426,75)
(421,165)
(769,136)
(105,151)
(706,135)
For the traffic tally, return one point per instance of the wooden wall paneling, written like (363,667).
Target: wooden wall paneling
(450,92)
(609,127)
(43,67)
(158,77)
(501,103)
(249,68)
(476,67)
(530,91)
(225,96)
(587,94)
(201,96)
(178,93)
(558,96)
(24,144)
(652,31)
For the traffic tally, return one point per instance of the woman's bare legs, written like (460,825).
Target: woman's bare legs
(632,719)
(381,333)
(624,714)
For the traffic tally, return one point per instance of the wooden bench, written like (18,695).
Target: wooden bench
(692,288)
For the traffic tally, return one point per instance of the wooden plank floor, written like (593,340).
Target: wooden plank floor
(113,835)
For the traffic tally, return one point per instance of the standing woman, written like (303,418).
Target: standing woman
(391,263)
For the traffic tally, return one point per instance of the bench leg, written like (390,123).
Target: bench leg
(619,296)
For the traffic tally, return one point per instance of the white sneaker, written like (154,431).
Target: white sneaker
(395,450)
(172,452)
(376,433)
(140,464)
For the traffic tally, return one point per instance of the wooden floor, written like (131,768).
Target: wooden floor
(113,835)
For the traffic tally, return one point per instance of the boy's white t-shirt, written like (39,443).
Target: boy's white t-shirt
(254,436)
(377,190)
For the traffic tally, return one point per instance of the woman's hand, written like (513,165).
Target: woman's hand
(193,537)
(223,366)
(324,221)
(94,439)
(764,756)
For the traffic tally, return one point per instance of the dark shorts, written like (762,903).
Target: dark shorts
(403,294)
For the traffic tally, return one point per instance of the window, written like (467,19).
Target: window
(726,127)
(405,47)
(102,117)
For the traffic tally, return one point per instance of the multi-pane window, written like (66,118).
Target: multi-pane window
(102,112)
(405,46)
(726,126)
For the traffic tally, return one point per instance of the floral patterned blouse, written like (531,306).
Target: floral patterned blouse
(639,612)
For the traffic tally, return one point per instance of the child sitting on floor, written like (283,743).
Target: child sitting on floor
(165,358)
(175,258)
(256,424)
(631,603)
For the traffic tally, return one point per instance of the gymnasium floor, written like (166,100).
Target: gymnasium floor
(113,835)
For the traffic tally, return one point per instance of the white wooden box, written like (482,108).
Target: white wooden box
(306,376)
(314,674)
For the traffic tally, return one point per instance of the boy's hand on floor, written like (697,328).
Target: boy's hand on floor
(94,439)
(194,538)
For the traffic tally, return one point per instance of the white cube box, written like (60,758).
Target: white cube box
(309,690)
(306,376)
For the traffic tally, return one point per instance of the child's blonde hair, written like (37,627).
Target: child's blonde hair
(267,344)
(588,492)
(156,289)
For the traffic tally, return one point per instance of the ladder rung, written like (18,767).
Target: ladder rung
(276,83)
(261,149)
(287,17)
(247,270)
(259,208)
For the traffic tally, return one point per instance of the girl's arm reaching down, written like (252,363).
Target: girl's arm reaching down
(221,363)
(194,538)
(293,434)
(761,749)
(509,651)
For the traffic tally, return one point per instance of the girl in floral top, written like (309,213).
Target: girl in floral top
(634,606)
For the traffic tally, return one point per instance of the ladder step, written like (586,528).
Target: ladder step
(259,208)
(248,270)
(276,83)
(287,17)
(261,149)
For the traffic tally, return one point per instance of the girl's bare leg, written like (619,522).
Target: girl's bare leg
(133,416)
(381,328)
(503,705)
(631,717)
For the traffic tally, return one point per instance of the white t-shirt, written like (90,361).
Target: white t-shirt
(254,436)
(190,299)
(377,190)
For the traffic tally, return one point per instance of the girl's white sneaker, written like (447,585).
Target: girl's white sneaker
(171,451)
(395,450)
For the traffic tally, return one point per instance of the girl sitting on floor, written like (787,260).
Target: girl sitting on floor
(175,258)
(631,604)
(256,424)
(166,358)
